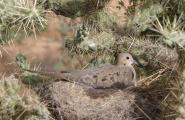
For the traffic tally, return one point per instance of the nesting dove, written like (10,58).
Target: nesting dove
(122,74)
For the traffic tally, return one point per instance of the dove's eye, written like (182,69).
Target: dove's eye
(127,57)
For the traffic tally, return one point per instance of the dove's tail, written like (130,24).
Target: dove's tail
(64,76)
(53,75)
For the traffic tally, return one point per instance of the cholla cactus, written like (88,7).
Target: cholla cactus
(21,61)
(20,16)
(90,42)
(100,47)
(16,106)
(172,32)
(28,77)
(143,17)
(81,35)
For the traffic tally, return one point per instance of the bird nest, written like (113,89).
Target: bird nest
(70,101)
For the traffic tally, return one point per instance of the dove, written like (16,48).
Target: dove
(119,75)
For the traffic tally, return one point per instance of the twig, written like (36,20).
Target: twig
(142,111)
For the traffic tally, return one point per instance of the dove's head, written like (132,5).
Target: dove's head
(125,59)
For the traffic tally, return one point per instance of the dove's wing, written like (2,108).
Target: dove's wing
(77,74)
(104,76)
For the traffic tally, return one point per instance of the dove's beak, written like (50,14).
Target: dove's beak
(135,62)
